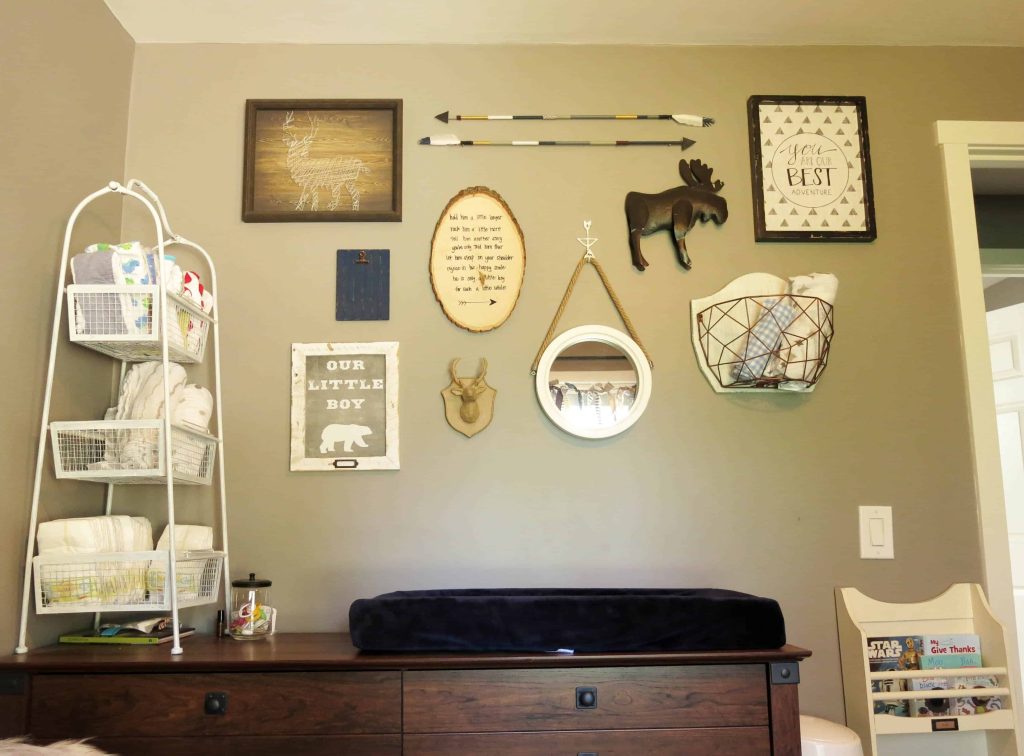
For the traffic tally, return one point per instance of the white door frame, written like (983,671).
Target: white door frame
(981,144)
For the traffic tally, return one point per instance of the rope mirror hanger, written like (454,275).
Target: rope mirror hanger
(588,257)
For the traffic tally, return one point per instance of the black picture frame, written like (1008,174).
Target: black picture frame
(802,190)
(322,160)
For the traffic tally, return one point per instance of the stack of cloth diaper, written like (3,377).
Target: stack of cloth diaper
(100,582)
(142,398)
(786,343)
(132,264)
(189,572)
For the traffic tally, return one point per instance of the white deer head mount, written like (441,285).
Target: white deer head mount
(468,401)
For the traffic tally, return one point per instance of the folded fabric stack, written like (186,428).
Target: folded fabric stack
(100,582)
(785,344)
(187,538)
(95,535)
(142,398)
(189,572)
(804,345)
(132,264)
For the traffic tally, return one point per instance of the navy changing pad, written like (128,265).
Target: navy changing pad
(586,620)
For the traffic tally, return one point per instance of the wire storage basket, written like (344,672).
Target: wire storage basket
(124,581)
(130,451)
(771,341)
(124,322)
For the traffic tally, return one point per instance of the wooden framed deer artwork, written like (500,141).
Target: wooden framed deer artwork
(322,160)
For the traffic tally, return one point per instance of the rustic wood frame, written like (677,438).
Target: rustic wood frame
(761,233)
(251,179)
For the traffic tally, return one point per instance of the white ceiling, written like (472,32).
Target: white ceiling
(684,22)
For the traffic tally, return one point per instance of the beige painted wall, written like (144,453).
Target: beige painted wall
(65,85)
(753,493)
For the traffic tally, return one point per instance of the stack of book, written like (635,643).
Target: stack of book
(144,632)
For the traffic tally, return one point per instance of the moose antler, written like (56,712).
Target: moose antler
(289,120)
(698,175)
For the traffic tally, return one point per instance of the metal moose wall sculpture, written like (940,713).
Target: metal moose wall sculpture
(469,402)
(677,209)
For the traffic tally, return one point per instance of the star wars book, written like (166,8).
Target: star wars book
(892,653)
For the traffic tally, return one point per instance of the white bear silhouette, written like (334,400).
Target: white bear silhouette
(347,434)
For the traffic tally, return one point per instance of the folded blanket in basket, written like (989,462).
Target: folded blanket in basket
(96,313)
(131,264)
(764,338)
(801,350)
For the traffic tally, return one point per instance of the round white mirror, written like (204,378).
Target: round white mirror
(593,381)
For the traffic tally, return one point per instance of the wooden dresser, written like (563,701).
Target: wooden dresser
(316,694)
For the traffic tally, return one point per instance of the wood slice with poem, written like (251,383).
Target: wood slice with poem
(477,260)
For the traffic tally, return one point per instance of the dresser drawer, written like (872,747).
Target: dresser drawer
(739,741)
(625,698)
(271,703)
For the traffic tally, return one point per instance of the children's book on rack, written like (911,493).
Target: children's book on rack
(955,651)
(891,654)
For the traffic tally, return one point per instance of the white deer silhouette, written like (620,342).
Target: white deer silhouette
(313,174)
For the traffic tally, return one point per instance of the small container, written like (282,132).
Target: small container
(252,617)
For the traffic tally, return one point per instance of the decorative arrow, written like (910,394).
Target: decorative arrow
(477,301)
(683,118)
(449,140)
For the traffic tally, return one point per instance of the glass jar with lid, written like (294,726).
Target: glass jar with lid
(252,617)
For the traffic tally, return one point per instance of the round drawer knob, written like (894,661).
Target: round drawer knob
(586,698)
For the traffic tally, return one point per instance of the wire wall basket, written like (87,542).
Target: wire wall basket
(768,341)
(130,451)
(124,581)
(124,322)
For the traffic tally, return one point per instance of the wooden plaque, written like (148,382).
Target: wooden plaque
(477,260)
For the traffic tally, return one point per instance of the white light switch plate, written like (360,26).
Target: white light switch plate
(876,533)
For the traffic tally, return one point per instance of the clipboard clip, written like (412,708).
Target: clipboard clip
(362,259)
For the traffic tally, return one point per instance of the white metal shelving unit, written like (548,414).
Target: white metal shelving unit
(961,609)
(173,329)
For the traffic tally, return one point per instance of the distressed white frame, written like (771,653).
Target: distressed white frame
(389,461)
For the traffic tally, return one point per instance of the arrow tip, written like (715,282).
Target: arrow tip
(442,116)
(686,144)
(425,140)
(494,301)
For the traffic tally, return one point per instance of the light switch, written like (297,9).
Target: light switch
(876,540)
(876,529)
